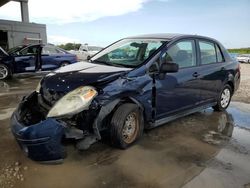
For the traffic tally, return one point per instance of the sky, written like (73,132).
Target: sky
(101,22)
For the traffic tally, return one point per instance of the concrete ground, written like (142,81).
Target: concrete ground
(205,149)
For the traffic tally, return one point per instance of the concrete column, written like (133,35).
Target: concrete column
(24,11)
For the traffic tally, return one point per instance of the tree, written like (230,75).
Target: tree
(70,46)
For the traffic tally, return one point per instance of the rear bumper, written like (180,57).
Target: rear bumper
(41,141)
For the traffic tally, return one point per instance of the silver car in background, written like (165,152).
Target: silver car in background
(85,51)
(243,58)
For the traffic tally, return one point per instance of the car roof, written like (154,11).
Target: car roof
(169,36)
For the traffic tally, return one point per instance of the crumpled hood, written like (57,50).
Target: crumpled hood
(79,74)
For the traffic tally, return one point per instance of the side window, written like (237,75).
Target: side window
(182,53)
(49,50)
(32,50)
(208,52)
(219,55)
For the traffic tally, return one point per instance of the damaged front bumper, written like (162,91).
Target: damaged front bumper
(40,141)
(41,138)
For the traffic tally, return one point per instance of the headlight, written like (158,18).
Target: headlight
(73,102)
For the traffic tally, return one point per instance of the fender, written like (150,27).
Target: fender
(107,109)
(104,111)
(231,81)
(8,61)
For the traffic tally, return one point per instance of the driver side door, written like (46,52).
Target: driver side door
(179,91)
(25,61)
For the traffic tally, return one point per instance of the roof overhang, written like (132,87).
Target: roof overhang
(3,2)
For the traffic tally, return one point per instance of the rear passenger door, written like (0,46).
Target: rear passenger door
(51,58)
(212,69)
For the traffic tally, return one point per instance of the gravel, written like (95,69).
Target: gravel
(243,93)
(11,174)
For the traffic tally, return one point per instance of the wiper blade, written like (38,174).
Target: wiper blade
(107,63)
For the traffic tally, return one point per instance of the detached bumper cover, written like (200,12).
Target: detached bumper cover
(41,141)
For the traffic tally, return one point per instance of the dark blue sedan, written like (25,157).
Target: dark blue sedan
(157,79)
(31,58)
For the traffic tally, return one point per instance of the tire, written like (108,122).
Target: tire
(224,98)
(120,134)
(5,73)
(65,63)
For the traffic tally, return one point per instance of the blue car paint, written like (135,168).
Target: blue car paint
(171,96)
(26,63)
(40,138)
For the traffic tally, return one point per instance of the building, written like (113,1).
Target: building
(14,33)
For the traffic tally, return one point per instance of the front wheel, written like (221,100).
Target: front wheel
(4,72)
(224,99)
(126,125)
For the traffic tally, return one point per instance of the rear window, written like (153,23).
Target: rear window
(208,52)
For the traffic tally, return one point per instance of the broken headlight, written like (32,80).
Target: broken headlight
(73,102)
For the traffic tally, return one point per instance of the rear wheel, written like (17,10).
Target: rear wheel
(224,99)
(4,72)
(126,125)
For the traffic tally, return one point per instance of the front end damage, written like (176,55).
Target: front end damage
(41,137)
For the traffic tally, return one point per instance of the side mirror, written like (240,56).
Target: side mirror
(169,67)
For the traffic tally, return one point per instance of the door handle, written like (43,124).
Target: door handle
(196,74)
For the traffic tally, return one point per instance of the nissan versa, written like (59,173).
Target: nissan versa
(158,78)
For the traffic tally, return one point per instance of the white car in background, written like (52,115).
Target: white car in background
(244,58)
(85,51)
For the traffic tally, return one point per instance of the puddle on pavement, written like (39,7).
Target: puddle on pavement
(167,156)
(241,114)
(18,85)
(6,113)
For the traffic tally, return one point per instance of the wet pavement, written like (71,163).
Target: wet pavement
(205,149)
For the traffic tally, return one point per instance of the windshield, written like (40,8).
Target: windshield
(128,52)
(16,49)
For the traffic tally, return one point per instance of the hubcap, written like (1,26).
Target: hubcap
(225,97)
(130,128)
(3,72)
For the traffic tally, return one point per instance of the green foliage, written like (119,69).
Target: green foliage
(240,50)
(69,46)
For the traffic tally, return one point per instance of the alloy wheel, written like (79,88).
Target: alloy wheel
(225,97)
(3,72)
